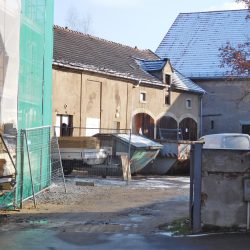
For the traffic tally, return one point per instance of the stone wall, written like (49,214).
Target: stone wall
(225,105)
(222,191)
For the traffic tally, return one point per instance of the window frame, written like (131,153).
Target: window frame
(167,96)
(143,97)
(167,79)
(69,126)
(189,103)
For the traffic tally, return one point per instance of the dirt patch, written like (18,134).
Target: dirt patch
(109,206)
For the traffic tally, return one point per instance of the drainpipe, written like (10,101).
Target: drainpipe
(80,106)
(201,113)
(101,106)
(127,109)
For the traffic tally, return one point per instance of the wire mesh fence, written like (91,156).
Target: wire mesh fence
(57,175)
(92,151)
(37,165)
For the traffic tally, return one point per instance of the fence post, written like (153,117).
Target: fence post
(196,161)
(191,193)
(21,167)
(129,152)
(31,177)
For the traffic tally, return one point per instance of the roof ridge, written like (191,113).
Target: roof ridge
(209,11)
(101,39)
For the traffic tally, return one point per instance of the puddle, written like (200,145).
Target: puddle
(137,218)
(38,222)
(169,234)
(145,183)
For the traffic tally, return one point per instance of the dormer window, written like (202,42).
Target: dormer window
(167,79)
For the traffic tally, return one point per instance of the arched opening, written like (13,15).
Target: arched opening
(188,128)
(167,128)
(143,124)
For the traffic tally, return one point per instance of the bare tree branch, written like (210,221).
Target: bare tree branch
(247,2)
(78,22)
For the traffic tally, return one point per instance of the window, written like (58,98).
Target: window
(246,129)
(212,124)
(143,97)
(167,79)
(64,125)
(188,104)
(167,97)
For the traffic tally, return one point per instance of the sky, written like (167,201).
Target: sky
(140,23)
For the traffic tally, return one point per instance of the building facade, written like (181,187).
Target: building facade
(193,45)
(105,85)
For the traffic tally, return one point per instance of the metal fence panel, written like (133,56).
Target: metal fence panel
(38,164)
(33,161)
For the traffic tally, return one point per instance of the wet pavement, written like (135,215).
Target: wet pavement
(135,226)
(52,240)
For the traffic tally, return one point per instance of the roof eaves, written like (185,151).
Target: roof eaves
(189,90)
(104,71)
(225,77)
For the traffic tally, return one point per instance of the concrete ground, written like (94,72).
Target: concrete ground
(109,215)
(40,239)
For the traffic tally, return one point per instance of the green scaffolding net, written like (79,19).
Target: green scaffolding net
(30,104)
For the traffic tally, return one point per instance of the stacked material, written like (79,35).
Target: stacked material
(7,175)
(79,142)
(2,164)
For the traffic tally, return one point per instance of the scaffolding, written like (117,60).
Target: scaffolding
(26,82)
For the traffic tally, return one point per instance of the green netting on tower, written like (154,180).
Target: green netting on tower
(35,93)
(35,77)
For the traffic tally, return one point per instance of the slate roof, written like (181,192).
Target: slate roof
(178,80)
(193,41)
(155,65)
(183,83)
(89,53)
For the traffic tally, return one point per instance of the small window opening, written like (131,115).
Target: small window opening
(142,97)
(188,104)
(212,124)
(64,125)
(167,96)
